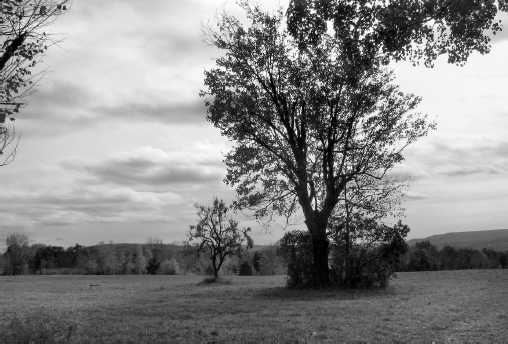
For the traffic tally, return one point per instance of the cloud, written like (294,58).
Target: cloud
(456,157)
(180,113)
(414,172)
(63,102)
(65,206)
(415,195)
(123,60)
(453,170)
(153,167)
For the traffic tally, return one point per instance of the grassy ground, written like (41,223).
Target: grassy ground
(446,305)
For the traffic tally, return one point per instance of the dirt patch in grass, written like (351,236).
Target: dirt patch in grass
(444,305)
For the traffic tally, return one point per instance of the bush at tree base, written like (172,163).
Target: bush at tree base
(364,264)
(296,248)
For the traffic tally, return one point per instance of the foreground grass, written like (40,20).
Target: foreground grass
(445,305)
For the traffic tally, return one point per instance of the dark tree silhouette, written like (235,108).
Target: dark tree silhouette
(304,128)
(217,234)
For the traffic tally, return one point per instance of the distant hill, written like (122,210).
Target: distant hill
(494,239)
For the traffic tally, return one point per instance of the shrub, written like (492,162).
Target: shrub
(365,257)
(170,267)
(153,266)
(296,249)
(246,269)
(369,255)
(366,266)
(209,270)
(503,259)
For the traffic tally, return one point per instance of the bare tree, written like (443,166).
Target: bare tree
(218,234)
(24,43)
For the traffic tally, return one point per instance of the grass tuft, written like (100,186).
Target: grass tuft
(37,326)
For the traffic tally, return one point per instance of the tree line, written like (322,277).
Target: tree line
(153,257)
(424,256)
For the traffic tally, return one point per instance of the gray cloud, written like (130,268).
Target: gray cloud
(415,196)
(69,102)
(455,159)
(193,112)
(152,167)
(126,173)
(464,170)
(89,204)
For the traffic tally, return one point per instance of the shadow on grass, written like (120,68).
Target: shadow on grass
(285,293)
(216,281)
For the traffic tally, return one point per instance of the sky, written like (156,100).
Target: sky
(115,145)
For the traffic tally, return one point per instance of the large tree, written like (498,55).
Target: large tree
(25,41)
(303,124)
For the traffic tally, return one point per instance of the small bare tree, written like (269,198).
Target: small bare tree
(24,43)
(218,234)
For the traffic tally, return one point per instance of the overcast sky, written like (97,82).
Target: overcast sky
(116,146)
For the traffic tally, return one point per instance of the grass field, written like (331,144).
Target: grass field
(444,305)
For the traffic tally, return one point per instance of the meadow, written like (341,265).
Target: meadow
(442,305)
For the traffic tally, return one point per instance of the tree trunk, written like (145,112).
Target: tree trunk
(320,255)
(215,269)
(320,245)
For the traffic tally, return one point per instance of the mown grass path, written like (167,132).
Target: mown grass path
(445,305)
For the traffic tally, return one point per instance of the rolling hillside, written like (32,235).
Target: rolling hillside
(494,239)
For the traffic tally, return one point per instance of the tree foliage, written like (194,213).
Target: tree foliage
(303,124)
(373,31)
(365,253)
(246,269)
(296,248)
(18,254)
(25,42)
(217,234)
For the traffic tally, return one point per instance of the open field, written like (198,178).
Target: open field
(443,305)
